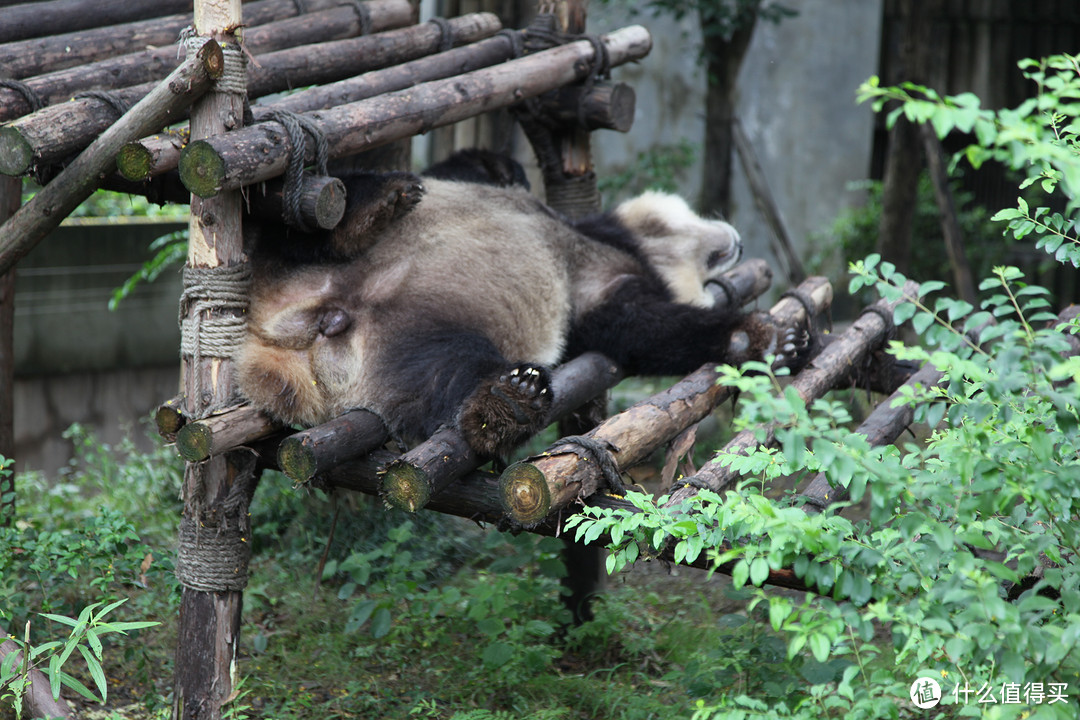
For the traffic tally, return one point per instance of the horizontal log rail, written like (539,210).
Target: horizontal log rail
(151,65)
(533,489)
(260,152)
(161,153)
(825,372)
(34,19)
(199,439)
(23,58)
(77,181)
(60,130)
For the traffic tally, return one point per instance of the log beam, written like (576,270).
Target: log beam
(57,131)
(823,374)
(213,435)
(260,152)
(608,106)
(159,154)
(356,433)
(169,418)
(23,58)
(75,183)
(34,19)
(534,488)
(153,64)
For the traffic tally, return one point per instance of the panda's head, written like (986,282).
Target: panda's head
(685,249)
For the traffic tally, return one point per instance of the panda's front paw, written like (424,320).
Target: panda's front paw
(506,410)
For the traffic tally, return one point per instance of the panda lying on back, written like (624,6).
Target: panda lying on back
(446,301)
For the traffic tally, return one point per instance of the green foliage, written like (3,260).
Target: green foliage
(106,203)
(658,168)
(84,636)
(169,251)
(855,231)
(965,563)
(1038,138)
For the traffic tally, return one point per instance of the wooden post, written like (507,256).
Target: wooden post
(10,197)
(216,492)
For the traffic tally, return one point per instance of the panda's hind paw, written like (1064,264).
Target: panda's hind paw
(506,409)
(795,346)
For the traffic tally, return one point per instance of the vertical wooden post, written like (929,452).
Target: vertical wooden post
(10,197)
(209,624)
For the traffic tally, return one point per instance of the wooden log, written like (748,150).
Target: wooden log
(34,19)
(823,373)
(305,454)
(10,198)
(217,491)
(159,154)
(476,496)
(260,152)
(609,106)
(536,487)
(22,58)
(950,223)
(213,435)
(65,128)
(37,701)
(75,183)
(322,202)
(423,472)
(151,65)
(169,418)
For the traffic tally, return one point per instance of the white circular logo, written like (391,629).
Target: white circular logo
(925,693)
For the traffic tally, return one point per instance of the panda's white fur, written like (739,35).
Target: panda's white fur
(428,319)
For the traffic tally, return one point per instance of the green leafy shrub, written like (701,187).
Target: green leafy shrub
(965,570)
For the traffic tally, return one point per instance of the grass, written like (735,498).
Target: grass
(415,616)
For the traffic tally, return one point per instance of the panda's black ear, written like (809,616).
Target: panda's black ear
(373,201)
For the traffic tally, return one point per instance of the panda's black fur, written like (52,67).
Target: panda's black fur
(440,300)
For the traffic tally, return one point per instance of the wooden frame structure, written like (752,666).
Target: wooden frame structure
(378,77)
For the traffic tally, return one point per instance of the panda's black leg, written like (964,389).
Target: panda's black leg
(442,377)
(651,335)
(506,409)
(373,201)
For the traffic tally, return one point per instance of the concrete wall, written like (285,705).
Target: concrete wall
(75,360)
(796,101)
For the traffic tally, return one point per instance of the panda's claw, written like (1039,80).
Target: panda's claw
(503,412)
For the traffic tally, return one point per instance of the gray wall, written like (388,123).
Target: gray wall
(75,360)
(796,101)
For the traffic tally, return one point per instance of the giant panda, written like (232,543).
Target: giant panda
(441,300)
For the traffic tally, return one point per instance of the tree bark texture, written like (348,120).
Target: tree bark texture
(10,198)
(903,160)
(260,152)
(723,60)
(152,65)
(216,492)
(822,374)
(75,183)
(155,155)
(23,58)
(65,128)
(34,19)
(538,486)
(950,223)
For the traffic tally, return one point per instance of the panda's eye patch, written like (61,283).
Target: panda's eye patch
(714,259)
(334,322)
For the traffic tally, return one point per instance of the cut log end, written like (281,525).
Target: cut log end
(134,161)
(194,442)
(297,459)
(405,486)
(16,154)
(202,169)
(524,493)
(330,204)
(169,418)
